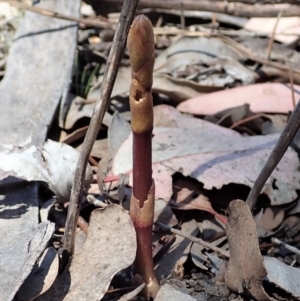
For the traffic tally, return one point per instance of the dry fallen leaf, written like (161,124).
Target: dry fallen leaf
(245,270)
(111,233)
(266,97)
(167,116)
(215,160)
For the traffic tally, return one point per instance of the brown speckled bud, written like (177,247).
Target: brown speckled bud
(141,41)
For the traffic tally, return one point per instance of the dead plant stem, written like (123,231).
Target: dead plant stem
(278,151)
(113,62)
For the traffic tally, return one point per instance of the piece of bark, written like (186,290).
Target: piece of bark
(37,77)
(38,73)
(111,235)
(245,270)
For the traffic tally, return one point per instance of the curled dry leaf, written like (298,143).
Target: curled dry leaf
(55,164)
(111,233)
(245,270)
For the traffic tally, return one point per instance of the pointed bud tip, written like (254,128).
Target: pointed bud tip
(141,46)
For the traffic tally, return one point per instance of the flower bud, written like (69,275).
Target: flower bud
(141,48)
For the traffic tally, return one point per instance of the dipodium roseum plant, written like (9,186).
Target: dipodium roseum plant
(141,49)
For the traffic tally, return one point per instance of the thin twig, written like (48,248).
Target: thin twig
(245,120)
(114,59)
(84,226)
(53,14)
(272,37)
(93,161)
(278,151)
(194,239)
(287,246)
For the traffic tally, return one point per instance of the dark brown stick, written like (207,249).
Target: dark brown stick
(280,148)
(113,62)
